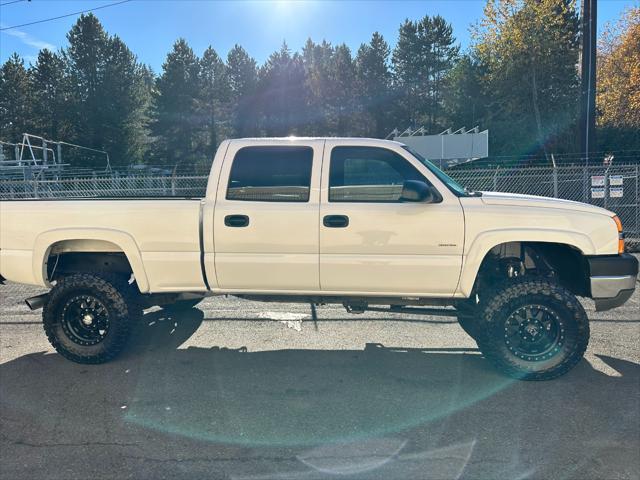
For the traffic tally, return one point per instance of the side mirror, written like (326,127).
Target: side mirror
(417,191)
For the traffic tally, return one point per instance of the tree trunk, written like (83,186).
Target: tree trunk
(536,111)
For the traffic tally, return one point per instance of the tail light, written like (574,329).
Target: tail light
(620,234)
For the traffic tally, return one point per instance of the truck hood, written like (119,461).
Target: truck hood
(515,199)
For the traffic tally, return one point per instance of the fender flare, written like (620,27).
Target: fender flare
(123,240)
(484,242)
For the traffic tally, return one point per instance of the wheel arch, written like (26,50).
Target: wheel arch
(485,243)
(97,241)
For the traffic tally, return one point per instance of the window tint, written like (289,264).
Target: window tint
(368,174)
(271,174)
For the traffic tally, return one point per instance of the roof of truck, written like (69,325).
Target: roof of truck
(359,140)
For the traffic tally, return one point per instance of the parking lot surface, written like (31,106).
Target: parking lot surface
(246,390)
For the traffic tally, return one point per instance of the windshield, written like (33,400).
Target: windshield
(451,184)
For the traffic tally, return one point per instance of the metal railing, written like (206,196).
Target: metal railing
(612,187)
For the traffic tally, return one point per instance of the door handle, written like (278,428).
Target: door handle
(335,221)
(236,221)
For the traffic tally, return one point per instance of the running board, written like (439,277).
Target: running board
(434,312)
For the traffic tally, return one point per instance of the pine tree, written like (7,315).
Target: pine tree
(176,108)
(317,60)
(441,53)
(283,94)
(242,76)
(373,83)
(85,60)
(464,99)
(406,62)
(106,96)
(124,106)
(425,52)
(214,101)
(49,96)
(15,100)
(342,92)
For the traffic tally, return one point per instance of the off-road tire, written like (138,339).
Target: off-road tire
(115,295)
(507,303)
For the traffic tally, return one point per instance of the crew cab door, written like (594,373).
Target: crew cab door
(373,242)
(265,225)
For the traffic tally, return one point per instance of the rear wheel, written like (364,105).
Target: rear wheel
(87,317)
(533,329)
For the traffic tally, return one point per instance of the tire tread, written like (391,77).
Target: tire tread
(515,288)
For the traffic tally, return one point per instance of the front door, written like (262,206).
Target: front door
(370,240)
(266,217)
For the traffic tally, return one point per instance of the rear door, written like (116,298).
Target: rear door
(266,217)
(370,240)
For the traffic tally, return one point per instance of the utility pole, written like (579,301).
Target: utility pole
(587,122)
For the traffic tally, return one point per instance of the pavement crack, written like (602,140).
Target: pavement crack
(80,444)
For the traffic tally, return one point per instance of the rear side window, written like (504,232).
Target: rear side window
(271,174)
(368,174)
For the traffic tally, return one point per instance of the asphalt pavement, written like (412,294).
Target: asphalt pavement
(245,390)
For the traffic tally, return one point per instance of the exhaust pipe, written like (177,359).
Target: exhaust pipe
(37,302)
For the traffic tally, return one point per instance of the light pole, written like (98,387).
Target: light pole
(587,121)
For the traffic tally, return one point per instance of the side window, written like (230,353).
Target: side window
(271,174)
(368,174)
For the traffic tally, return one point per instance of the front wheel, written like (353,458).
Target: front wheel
(534,329)
(87,317)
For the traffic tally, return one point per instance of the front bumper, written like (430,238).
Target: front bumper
(612,279)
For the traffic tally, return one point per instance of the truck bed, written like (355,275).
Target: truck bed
(162,233)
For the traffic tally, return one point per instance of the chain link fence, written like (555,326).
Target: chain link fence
(106,187)
(614,187)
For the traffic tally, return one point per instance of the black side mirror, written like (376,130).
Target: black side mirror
(417,191)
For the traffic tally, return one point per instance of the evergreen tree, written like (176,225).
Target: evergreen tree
(373,83)
(49,96)
(425,52)
(242,76)
(464,99)
(283,94)
(317,60)
(107,96)
(342,96)
(126,101)
(442,54)
(176,108)
(85,60)
(215,92)
(15,100)
(406,62)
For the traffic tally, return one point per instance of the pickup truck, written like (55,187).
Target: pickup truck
(361,222)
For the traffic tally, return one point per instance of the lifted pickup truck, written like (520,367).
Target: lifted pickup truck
(361,222)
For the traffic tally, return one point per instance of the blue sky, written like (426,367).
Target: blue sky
(149,27)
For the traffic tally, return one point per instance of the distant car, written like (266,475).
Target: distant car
(360,222)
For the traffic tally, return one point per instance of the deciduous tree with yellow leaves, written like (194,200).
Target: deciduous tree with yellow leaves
(618,94)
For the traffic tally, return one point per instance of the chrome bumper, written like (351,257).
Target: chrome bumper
(608,287)
(613,280)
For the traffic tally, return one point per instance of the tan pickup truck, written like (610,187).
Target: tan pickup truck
(362,222)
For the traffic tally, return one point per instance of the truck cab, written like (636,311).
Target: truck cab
(332,216)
